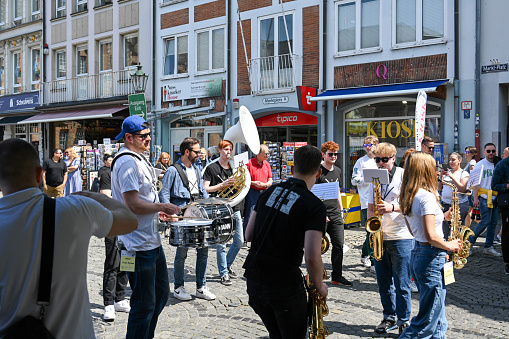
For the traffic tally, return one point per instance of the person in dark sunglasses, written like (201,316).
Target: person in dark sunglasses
(428,145)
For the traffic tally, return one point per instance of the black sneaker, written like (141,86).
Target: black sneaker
(342,281)
(231,273)
(402,328)
(385,325)
(225,280)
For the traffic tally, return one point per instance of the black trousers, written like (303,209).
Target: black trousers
(114,280)
(336,231)
(505,234)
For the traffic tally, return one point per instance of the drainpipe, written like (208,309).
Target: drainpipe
(321,137)
(477,78)
(456,76)
(229,111)
(154,41)
(44,128)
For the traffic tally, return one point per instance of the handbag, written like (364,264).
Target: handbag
(30,327)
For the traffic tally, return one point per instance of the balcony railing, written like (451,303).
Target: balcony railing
(87,87)
(269,74)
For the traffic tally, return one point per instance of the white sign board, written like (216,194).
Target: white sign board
(326,191)
(241,157)
(474,178)
(420,118)
(466,105)
(193,89)
(381,174)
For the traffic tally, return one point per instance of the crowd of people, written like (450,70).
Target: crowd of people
(284,224)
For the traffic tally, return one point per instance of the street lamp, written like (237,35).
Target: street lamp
(139,80)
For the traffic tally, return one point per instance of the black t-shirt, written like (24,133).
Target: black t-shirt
(55,172)
(330,176)
(278,260)
(215,173)
(105,178)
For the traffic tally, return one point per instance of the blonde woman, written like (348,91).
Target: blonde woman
(419,203)
(74,182)
(163,163)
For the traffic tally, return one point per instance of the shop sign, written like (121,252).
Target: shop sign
(304,95)
(193,89)
(138,105)
(275,100)
(494,68)
(286,119)
(19,101)
(392,129)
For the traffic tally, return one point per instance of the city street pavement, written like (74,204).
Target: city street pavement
(477,303)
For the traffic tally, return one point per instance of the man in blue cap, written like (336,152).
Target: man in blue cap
(133,182)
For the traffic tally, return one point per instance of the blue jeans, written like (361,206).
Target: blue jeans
(250,203)
(150,289)
(202,255)
(392,275)
(489,218)
(226,260)
(427,264)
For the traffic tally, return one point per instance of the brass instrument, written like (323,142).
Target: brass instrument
(325,244)
(374,224)
(231,192)
(459,259)
(319,309)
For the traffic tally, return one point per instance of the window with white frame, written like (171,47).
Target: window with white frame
(36,68)
(418,21)
(61,65)
(2,76)
(16,76)
(17,10)
(210,50)
(105,56)
(81,60)
(36,10)
(20,132)
(176,55)
(131,51)
(2,13)
(81,5)
(358,26)
(60,8)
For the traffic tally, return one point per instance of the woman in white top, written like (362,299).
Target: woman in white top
(419,203)
(459,178)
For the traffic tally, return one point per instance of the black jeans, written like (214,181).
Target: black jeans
(505,234)
(283,310)
(114,280)
(336,231)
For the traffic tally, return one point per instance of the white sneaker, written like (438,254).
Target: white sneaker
(345,248)
(109,313)
(122,306)
(497,240)
(491,251)
(413,287)
(372,269)
(365,261)
(204,293)
(181,294)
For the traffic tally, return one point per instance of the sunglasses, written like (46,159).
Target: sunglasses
(143,136)
(384,159)
(195,152)
(491,151)
(332,154)
(466,152)
(430,148)
(368,145)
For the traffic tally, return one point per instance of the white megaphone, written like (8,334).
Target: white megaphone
(244,131)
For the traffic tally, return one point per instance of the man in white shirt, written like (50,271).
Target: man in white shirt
(484,199)
(77,218)
(366,161)
(133,182)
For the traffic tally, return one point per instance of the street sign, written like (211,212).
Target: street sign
(466,105)
(137,105)
(466,113)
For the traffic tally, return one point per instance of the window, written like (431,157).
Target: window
(131,51)
(210,50)
(2,76)
(18,10)
(105,56)
(61,65)
(2,13)
(82,61)
(81,5)
(36,68)
(419,21)
(175,57)
(358,25)
(16,61)
(60,8)
(36,10)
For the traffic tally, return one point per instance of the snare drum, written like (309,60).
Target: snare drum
(223,220)
(193,233)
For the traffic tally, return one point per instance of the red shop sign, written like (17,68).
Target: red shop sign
(286,119)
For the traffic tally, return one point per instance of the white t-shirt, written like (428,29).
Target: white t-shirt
(193,181)
(447,191)
(358,178)
(425,203)
(469,164)
(77,219)
(486,175)
(393,223)
(132,174)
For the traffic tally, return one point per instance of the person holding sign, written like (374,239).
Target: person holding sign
(420,204)
(392,271)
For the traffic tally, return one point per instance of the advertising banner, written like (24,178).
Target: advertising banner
(193,89)
(19,101)
(420,118)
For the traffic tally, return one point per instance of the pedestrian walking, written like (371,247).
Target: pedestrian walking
(54,174)
(74,182)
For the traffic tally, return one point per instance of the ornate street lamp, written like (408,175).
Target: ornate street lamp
(139,80)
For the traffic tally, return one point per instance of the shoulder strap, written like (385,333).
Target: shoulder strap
(122,154)
(48,242)
(182,175)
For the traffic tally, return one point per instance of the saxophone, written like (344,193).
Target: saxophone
(319,309)
(374,224)
(459,259)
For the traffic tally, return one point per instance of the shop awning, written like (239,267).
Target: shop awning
(13,120)
(374,91)
(81,114)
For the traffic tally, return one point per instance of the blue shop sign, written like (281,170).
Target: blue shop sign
(19,101)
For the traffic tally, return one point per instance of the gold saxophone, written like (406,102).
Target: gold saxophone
(459,259)
(319,309)
(374,224)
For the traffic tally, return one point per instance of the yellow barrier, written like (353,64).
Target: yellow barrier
(352,204)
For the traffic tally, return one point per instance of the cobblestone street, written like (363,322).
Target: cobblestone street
(477,304)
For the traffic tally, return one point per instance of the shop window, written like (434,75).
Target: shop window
(176,55)
(190,122)
(17,75)
(210,50)
(17,11)
(2,76)
(20,132)
(59,8)
(358,27)
(131,51)
(36,68)
(36,10)
(418,22)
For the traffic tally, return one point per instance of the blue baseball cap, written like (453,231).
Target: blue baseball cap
(130,125)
